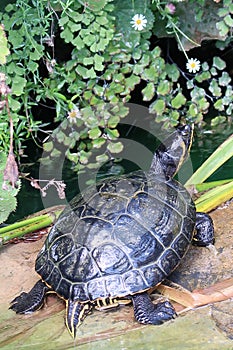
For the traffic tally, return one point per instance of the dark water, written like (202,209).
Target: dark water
(205,142)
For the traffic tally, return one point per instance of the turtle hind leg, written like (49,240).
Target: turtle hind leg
(75,314)
(29,302)
(204,235)
(148,313)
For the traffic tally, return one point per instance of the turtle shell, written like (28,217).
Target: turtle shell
(118,238)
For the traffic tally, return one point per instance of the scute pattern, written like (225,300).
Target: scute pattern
(119,238)
(111,259)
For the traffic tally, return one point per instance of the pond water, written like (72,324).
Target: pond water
(206,140)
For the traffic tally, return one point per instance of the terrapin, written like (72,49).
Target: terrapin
(119,238)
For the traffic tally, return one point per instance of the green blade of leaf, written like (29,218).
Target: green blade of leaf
(217,158)
(214,197)
(206,186)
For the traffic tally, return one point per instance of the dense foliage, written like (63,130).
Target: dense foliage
(85,60)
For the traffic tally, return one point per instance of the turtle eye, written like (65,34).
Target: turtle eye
(185,130)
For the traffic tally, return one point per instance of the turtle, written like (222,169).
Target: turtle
(119,238)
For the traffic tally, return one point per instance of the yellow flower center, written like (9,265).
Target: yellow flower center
(193,65)
(72,114)
(138,22)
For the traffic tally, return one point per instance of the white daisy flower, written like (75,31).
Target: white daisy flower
(193,65)
(74,114)
(139,22)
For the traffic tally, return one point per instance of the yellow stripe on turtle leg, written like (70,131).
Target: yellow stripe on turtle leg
(75,314)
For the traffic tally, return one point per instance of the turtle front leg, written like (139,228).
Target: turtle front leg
(29,302)
(148,313)
(204,235)
(75,314)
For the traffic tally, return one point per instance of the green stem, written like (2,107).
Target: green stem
(213,198)
(181,45)
(205,186)
(182,33)
(20,228)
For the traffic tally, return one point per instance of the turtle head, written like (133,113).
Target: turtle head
(171,154)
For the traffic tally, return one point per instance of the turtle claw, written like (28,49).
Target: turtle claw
(19,304)
(16,300)
(148,313)
(26,303)
(164,311)
(204,235)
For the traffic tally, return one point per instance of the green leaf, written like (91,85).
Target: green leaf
(88,61)
(113,121)
(150,74)
(158,107)
(78,43)
(225,79)
(219,63)
(82,71)
(98,90)
(102,158)
(98,142)
(213,71)
(203,104)
(148,92)
(156,52)
(228,20)
(9,8)
(32,66)
(94,5)
(214,88)
(63,20)
(190,84)
(115,147)
(193,110)
(174,116)
(138,69)
(219,105)
(178,101)
(15,39)
(205,67)
(164,88)
(88,39)
(218,120)
(14,104)
(83,157)
(94,133)
(223,28)
(213,198)
(36,53)
(112,134)
(172,72)
(222,12)
(118,77)
(203,76)
(98,60)
(13,68)
(18,85)
(68,36)
(131,81)
(229,91)
(217,158)
(48,146)
(229,110)
(230,8)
